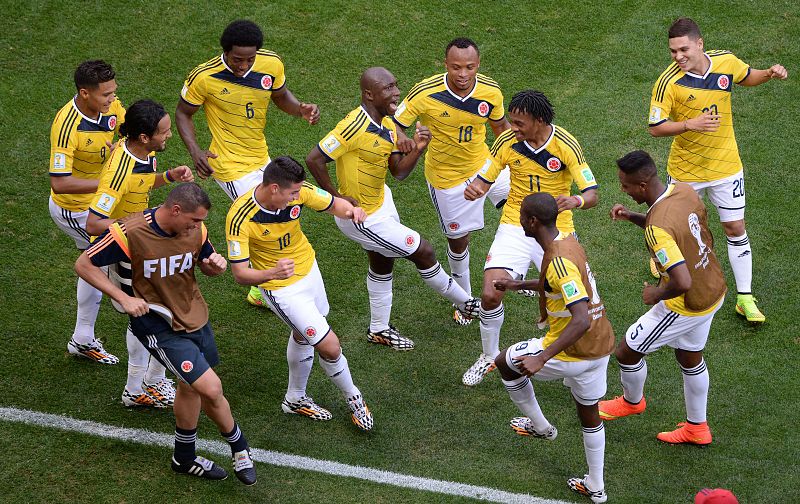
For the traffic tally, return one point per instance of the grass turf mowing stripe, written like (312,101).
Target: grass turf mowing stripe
(142,436)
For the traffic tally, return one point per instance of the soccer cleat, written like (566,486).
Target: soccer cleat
(653,269)
(686,433)
(306,406)
(746,307)
(135,401)
(162,391)
(471,308)
(522,425)
(243,467)
(390,337)
(200,467)
(362,416)
(460,319)
(255,298)
(475,374)
(527,293)
(579,485)
(619,407)
(93,351)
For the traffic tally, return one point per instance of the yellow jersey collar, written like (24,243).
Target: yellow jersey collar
(457,97)
(75,106)
(708,70)
(544,146)
(222,57)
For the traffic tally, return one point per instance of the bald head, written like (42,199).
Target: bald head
(375,76)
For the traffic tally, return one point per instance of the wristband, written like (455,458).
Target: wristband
(580,198)
(167,178)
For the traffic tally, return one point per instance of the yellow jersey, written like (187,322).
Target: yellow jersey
(78,148)
(264,236)
(563,288)
(361,148)
(236,111)
(552,168)
(699,156)
(458,126)
(125,184)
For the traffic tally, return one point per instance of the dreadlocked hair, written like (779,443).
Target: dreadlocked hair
(533,103)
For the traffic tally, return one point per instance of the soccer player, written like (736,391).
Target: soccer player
(263,227)
(456,106)
(691,101)
(576,346)
(541,157)
(691,290)
(124,189)
(170,317)
(80,142)
(364,146)
(235,90)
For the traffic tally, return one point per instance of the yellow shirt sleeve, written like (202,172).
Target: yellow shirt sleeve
(238,239)
(107,197)
(336,143)
(499,110)
(663,248)
(407,112)
(315,197)
(194,93)
(564,276)
(661,100)
(280,76)
(740,70)
(579,169)
(62,147)
(497,161)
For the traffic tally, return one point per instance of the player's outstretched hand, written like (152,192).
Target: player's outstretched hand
(200,160)
(215,263)
(704,122)
(567,202)
(422,137)
(619,212)
(357,215)
(134,307)
(283,269)
(530,364)
(504,284)
(310,112)
(650,294)
(181,174)
(475,189)
(777,72)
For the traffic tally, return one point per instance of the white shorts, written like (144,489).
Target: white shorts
(726,194)
(303,306)
(661,326)
(72,223)
(236,188)
(382,232)
(514,252)
(459,216)
(586,379)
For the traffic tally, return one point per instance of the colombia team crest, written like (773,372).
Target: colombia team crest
(553,164)
(266,82)
(187,366)
(723,81)
(294,212)
(483,109)
(310,332)
(112,122)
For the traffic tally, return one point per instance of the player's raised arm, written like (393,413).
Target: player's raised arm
(246,275)
(345,210)
(287,102)
(401,164)
(757,77)
(183,119)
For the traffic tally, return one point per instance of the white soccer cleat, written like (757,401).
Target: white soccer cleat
(362,416)
(305,406)
(579,485)
(471,309)
(139,400)
(524,427)
(478,371)
(459,318)
(92,351)
(390,337)
(163,391)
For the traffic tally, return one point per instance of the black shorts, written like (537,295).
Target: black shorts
(187,354)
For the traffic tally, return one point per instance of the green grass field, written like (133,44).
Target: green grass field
(597,63)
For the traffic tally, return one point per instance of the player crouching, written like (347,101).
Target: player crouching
(170,317)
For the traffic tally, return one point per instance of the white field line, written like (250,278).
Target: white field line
(145,437)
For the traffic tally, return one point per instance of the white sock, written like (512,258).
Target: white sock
(88,305)
(491,322)
(339,373)
(138,357)
(633,378)
(521,392)
(155,371)
(695,392)
(741,257)
(594,445)
(379,288)
(300,357)
(435,278)
(459,269)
